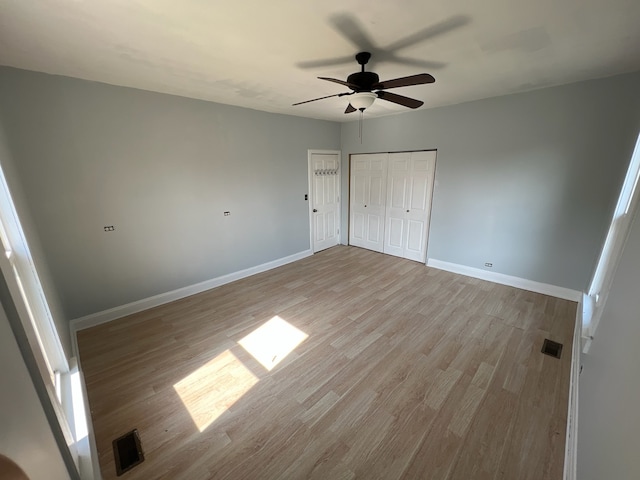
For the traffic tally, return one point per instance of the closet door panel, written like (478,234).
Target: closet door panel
(391,202)
(367,201)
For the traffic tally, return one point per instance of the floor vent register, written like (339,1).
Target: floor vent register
(551,348)
(128,452)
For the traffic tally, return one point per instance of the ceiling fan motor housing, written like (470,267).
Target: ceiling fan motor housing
(363,80)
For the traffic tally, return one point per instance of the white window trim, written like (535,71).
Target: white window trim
(609,258)
(19,258)
(29,300)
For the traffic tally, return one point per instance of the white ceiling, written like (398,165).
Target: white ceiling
(251,53)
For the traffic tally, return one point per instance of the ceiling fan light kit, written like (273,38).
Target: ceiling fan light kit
(362,100)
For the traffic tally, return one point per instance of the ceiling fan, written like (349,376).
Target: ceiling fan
(366,87)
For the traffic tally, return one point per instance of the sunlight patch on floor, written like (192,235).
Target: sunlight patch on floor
(210,390)
(270,343)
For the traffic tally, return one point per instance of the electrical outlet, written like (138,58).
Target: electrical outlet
(488,264)
(226,214)
(109,228)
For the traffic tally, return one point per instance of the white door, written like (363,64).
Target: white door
(324,170)
(367,200)
(408,204)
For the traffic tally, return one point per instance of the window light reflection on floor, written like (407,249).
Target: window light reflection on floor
(270,343)
(211,389)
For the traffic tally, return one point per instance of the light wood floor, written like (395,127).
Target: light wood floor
(407,372)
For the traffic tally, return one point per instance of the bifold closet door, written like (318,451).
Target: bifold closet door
(408,204)
(367,201)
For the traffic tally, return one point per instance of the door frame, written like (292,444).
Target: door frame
(310,190)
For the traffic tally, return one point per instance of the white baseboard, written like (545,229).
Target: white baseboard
(134,307)
(571,441)
(523,283)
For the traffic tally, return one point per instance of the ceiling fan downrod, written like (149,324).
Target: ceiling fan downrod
(363,58)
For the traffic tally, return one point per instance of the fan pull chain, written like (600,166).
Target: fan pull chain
(360,125)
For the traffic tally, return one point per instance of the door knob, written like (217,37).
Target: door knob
(315,211)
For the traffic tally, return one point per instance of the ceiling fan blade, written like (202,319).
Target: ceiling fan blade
(322,98)
(352,30)
(400,99)
(327,62)
(419,79)
(414,62)
(434,30)
(341,82)
(349,109)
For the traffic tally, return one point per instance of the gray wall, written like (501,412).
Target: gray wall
(34,242)
(527,182)
(25,435)
(162,170)
(608,420)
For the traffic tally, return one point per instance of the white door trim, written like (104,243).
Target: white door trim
(310,153)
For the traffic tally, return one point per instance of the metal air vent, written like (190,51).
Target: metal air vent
(128,452)
(551,348)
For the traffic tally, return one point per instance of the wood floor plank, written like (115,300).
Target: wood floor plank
(488,438)
(438,452)
(398,371)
